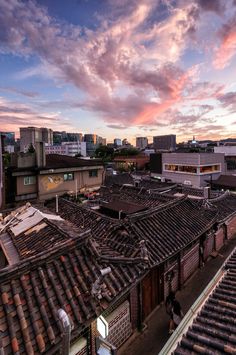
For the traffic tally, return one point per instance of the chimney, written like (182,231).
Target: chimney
(206,192)
(40,154)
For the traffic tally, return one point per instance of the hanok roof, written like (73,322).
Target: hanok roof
(213,330)
(123,206)
(135,195)
(170,228)
(226,204)
(32,293)
(226,181)
(29,231)
(166,229)
(119,179)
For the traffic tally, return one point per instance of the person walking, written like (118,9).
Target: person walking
(177,313)
(169,310)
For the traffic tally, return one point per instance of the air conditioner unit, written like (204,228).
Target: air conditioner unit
(187,182)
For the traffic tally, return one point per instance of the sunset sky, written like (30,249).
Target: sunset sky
(119,68)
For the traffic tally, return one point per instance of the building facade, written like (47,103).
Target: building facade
(33,135)
(67,148)
(166,142)
(117,142)
(141,142)
(191,169)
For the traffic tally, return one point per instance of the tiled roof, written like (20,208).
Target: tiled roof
(114,237)
(226,205)
(55,161)
(119,179)
(213,331)
(225,180)
(32,292)
(170,228)
(166,229)
(135,195)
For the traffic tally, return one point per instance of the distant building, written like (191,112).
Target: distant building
(192,169)
(9,138)
(117,142)
(67,148)
(47,135)
(92,143)
(141,142)
(29,135)
(167,142)
(33,135)
(63,136)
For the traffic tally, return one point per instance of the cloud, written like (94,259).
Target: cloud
(121,53)
(14,115)
(215,6)
(114,126)
(30,94)
(226,51)
(228,100)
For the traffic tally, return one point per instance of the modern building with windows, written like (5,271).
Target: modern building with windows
(167,142)
(141,142)
(193,169)
(67,148)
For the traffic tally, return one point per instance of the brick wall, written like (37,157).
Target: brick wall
(134,307)
(219,239)
(119,325)
(190,262)
(231,228)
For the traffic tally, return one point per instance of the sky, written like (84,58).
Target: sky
(119,68)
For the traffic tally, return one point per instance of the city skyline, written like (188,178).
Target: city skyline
(120,69)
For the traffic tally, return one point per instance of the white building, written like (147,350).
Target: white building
(67,148)
(227,150)
(188,168)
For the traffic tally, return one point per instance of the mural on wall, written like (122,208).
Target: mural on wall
(51,182)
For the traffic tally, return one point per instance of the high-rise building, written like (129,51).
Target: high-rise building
(29,135)
(141,142)
(166,142)
(9,138)
(117,142)
(47,135)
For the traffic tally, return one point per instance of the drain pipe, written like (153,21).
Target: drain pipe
(56,203)
(66,326)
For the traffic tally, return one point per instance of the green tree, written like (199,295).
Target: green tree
(31,148)
(105,153)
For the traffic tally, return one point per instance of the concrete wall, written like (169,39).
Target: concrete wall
(51,184)
(25,189)
(26,160)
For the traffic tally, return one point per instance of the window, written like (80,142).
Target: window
(29,180)
(209,169)
(68,176)
(93,173)
(181,168)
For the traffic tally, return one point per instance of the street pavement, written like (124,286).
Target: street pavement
(155,335)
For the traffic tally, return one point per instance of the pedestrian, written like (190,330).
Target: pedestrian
(177,313)
(169,310)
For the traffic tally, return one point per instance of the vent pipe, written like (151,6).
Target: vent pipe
(66,327)
(56,203)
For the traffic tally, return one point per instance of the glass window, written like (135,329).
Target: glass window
(68,176)
(181,168)
(209,169)
(29,180)
(93,173)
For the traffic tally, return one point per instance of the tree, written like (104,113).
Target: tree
(31,148)
(105,153)
(126,152)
